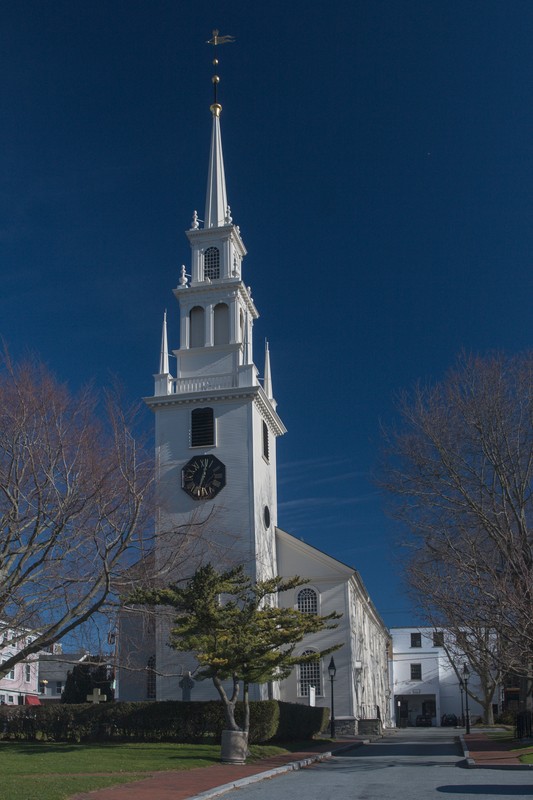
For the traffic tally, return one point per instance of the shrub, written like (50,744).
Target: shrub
(300,722)
(169,720)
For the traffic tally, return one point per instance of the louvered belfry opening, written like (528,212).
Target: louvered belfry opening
(202,427)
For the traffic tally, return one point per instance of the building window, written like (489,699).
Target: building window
(11,674)
(197,328)
(416,672)
(266,443)
(150,679)
(438,639)
(416,640)
(221,323)
(2,699)
(308,601)
(202,427)
(309,674)
(27,673)
(212,264)
(59,687)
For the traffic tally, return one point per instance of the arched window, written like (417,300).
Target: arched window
(197,328)
(150,679)
(308,601)
(266,443)
(212,263)
(202,427)
(309,674)
(221,323)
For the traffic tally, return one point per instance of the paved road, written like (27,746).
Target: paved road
(413,764)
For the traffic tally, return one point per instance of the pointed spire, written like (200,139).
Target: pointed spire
(163,361)
(267,382)
(216,201)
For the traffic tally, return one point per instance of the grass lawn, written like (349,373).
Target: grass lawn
(47,771)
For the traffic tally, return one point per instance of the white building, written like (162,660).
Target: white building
(216,426)
(425,684)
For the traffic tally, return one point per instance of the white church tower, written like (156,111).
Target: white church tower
(215,422)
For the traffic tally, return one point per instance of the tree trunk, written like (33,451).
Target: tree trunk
(228,703)
(488,713)
(246,726)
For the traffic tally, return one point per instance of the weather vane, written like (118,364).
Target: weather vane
(216,108)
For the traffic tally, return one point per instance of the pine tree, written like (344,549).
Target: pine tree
(236,631)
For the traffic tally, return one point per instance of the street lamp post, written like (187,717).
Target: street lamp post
(466,673)
(461,689)
(332,671)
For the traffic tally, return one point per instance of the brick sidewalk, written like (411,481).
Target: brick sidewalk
(182,784)
(485,752)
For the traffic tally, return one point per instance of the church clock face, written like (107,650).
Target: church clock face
(203,477)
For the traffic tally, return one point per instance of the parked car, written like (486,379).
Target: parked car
(423,721)
(448,721)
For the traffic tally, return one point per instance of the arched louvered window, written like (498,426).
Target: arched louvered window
(308,601)
(221,323)
(197,327)
(309,674)
(150,679)
(202,427)
(212,263)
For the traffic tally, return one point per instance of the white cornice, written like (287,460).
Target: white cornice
(254,394)
(211,235)
(225,287)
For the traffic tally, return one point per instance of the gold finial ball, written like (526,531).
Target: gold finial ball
(215,79)
(215,61)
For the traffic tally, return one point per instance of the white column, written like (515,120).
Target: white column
(209,326)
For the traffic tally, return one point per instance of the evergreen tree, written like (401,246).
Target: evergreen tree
(236,631)
(83,679)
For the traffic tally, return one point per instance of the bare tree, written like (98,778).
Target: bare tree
(459,467)
(75,505)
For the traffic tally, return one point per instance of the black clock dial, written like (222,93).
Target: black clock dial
(203,477)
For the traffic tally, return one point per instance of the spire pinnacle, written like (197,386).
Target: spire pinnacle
(267,381)
(163,360)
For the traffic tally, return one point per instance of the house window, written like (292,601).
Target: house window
(11,674)
(438,639)
(150,679)
(416,672)
(59,687)
(197,328)
(266,443)
(309,674)
(212,263)
(416,640)
(2,699)
(308,601)
(27,673)
(202,427)
(221,323)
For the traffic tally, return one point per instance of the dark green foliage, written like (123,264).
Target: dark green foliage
(173,721)
(83,678)
(300,722)
(245,637)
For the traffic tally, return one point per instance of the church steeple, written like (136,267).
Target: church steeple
(216,201)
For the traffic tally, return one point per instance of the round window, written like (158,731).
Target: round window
(266,516)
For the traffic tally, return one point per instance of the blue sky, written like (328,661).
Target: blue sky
(378,161)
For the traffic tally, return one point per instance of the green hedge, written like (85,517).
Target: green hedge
(156,722)
(300,722)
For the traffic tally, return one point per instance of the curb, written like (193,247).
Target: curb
(271,773)
(471,764)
